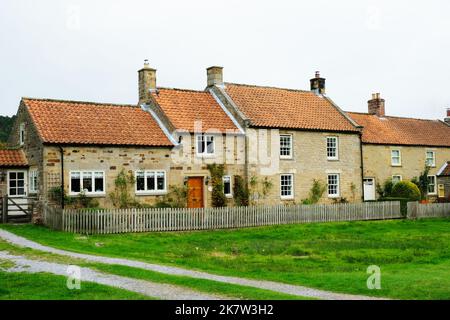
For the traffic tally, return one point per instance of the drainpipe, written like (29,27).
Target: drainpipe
(61,151)
(362,164)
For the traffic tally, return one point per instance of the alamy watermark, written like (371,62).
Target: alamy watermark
(73,278)
(374,280)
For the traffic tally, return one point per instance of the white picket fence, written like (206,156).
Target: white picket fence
(418,210)
(180,219)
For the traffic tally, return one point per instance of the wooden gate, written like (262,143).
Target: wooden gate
(16,209)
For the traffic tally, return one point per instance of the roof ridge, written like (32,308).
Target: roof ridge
(396,117)
(180,89)
(81,102)
(267,87)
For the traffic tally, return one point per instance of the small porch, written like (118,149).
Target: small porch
(15,203)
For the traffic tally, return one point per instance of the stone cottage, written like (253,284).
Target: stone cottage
(293,138)
(276,141)
(83,146)
(398,148)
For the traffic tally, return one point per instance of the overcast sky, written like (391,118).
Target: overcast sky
(91,50)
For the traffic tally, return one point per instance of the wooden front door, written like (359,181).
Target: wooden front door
(195,192)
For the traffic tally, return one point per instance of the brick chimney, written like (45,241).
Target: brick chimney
(318,84)
(147,82)
(376,105)
(215,76)
(447,118)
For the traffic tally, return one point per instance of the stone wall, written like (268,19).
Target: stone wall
(309,162)
(377,161)
(32,147)
(229,150)
(112,160)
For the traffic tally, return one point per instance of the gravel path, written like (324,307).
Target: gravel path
(151,289)
(261,284)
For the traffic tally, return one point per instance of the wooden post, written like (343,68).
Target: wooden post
(412,210)
(5,209)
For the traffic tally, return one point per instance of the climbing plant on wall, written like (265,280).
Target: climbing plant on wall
(240,192)
(218,197)
(121,196)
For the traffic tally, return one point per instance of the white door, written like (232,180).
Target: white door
(369,189)
(17,191)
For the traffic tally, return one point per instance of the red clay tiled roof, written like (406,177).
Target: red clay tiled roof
(75,122)
(287,108)
(185,107)
(445,171)
(402,131)
(12,158)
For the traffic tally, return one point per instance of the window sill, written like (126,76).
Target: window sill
(287,198)
(158,193)
(333,196)
(89,195)
(229,196)
(333,159)
(396,165)
(286,158)
(199,155)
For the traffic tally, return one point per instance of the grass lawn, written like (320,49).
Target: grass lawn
(207,286)
(414,256)
(15,286)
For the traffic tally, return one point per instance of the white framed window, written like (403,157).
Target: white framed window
(88,182)
(151,182)
(333,185)
(332,148)
(431,185)
(22,133)
(227,186)
(17,183)
(287,186)
(205,145)
(286,146)
(396,157)
(396,178)
(430,159)
(34,181)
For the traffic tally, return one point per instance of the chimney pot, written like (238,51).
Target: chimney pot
(214,76)
(377,105)
(447,119)
(318,84)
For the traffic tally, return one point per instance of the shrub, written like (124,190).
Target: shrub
(175,198)
(386,189)
(317,190)
(240,190)
(121,197)
(315,193)
(422,182)
(218,197)
(406,189)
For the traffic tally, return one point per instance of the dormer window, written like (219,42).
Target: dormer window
(22,133)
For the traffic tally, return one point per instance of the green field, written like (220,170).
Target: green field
(16,286)
(414,256)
